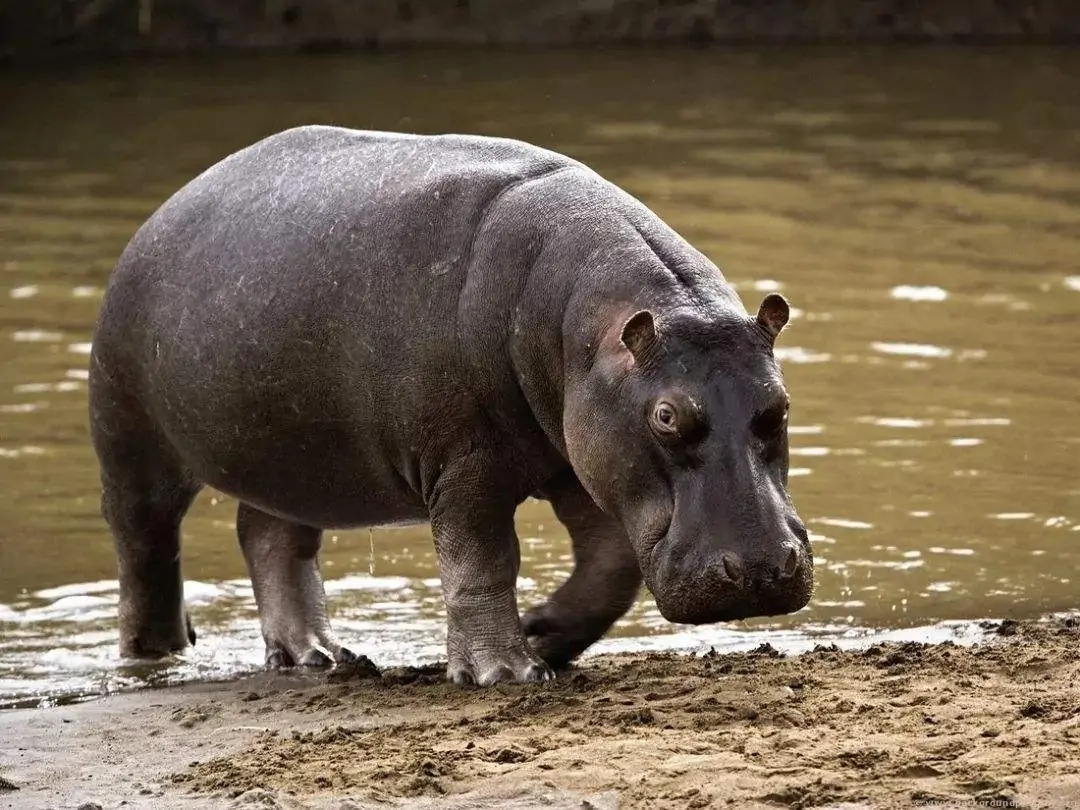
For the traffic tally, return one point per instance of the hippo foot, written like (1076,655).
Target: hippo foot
(556,641)
(492,669)
(152,642)
(151,647)
(312,654)
(487,647)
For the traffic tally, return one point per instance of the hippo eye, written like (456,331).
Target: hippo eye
(770,422)
(665,417)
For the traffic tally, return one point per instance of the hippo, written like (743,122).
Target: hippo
(344,328)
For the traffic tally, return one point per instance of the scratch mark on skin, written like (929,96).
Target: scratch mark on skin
(96,360)
(180,325)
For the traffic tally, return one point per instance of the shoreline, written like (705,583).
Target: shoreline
(183,670)
(891,725)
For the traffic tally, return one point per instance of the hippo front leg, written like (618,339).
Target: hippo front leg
(479,557)
(602,587)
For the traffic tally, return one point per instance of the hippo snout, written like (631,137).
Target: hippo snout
(731,586)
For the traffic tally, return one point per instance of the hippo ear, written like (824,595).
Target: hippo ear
(639,334)
(773,314)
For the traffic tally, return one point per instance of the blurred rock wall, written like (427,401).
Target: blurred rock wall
(37,28)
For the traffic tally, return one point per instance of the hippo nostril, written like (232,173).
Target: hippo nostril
(790,564)
(733,569)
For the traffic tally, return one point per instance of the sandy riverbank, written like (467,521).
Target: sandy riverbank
(896,725)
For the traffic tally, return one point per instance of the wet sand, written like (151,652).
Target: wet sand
(895,725)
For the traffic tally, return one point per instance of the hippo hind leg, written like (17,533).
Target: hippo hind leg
(602,587)
(282,560)
(144,496)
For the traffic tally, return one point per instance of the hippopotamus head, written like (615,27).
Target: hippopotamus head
(679,428)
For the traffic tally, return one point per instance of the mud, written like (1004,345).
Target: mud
(895,725)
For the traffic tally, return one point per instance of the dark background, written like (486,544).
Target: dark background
(33,30)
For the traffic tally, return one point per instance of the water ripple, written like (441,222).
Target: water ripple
(797,354)
(912,349)
(908,293)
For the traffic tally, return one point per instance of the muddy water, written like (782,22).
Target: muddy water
(921,208)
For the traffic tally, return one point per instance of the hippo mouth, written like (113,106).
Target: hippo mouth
(691,590)
(694,594)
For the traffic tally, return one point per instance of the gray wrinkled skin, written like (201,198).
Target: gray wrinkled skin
(345,329)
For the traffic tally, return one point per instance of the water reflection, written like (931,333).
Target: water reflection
(925,232)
